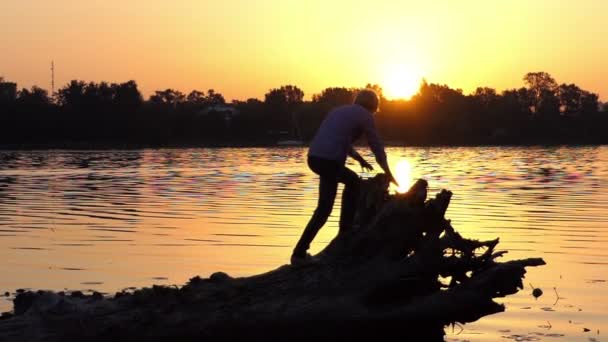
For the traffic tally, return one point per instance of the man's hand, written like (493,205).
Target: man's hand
(392,178)
(365,165)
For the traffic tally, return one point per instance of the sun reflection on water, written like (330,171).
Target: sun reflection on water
(403,175)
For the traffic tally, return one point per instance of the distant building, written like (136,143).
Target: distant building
(8,91)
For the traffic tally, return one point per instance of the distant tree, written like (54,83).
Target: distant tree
(537,82)
(36,97)
(548,105)
(543,89)
(486,97)
(281,104)
(127,96)
(168,97)
(252,105)
(516,102)
(8,91)
(100,97)
(72,95)
(100,112)
(251,124)
(439,110)
(288,96)
(526,100)
(484,114)
(570,99)
(576,101)
(196,98)
(252,109)
(308,117)
(214,99)
(97,97)
(589,103)
(436,95)
(335,96)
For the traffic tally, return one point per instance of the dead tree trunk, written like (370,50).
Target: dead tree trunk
(403,272)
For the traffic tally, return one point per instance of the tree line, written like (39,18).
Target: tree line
(82,114)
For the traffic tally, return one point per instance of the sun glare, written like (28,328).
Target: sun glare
(403,175)
(400,82)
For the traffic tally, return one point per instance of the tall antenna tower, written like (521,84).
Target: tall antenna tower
(52,78)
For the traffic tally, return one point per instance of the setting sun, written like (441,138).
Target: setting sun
(401,82)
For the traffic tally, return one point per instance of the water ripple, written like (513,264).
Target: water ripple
(121,218)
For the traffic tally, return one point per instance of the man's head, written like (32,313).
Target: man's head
(367,99)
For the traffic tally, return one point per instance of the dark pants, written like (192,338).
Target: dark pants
(331,173)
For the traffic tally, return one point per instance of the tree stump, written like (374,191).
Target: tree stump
(403,272)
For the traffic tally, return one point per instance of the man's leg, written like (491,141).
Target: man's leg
(350,197)
(328,187)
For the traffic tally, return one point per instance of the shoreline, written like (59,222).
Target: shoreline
(118,146)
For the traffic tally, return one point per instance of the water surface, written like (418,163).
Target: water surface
(108,220)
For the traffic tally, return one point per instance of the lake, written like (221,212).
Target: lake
(109,220)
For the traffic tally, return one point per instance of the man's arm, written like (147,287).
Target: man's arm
(377,147)
(356,156)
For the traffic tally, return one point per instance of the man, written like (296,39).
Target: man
(326,157)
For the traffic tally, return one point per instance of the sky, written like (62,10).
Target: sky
(243,48)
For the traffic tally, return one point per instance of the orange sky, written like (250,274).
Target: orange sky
(243,48)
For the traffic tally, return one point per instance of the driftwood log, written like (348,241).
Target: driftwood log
(403,272)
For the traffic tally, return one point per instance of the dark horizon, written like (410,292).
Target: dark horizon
(93,115)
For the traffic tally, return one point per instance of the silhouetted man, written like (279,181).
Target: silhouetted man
(326,157)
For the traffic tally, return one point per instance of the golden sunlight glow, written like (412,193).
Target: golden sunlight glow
(403,175)
(243,48)
(401,82)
